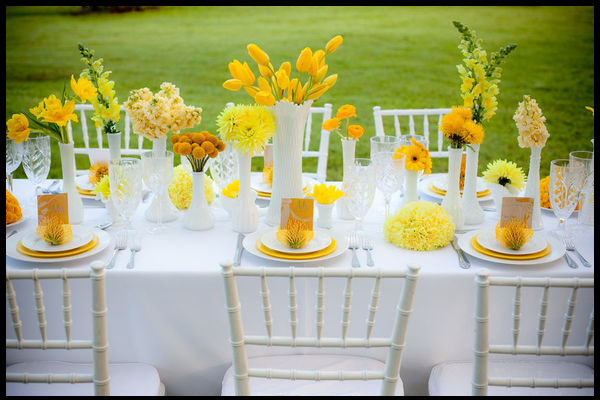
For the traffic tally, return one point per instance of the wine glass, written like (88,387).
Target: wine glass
(566,180)
(14,154)
(361,189)
(586,207)
(157,167)
(384,143)
(224,168)
(125,180)
(36,161)
(389,174)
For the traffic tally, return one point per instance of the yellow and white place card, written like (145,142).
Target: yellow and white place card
(519,208)
(301,210)
(53,205)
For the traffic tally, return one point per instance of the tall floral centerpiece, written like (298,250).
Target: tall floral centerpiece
(353,134)
(532,134)
(503,178)
(153,115)
(416,159)
(480,77)
(247,128)
(290,99)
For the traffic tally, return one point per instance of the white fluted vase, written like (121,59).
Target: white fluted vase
(198,216)
(411,194)
(532,188)
(114,145)
(287,155)
(469,197)
(348,154)
(167,212)
(452,202)
(244,216)
(67,159)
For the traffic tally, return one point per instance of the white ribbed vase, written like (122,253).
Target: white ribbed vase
(348,153)
(287,155)
(199,216)
(469,198)
(67,159)
(114,145)
(168,210)
(452,202)
(532,189)
(410,187)
(244,216)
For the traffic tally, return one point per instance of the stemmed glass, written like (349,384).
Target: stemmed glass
(125,180)
(36,161)
(14,154)
(361,189)
(157,167)
(384,143)
(566,180)
(389,174)
(224,168)
(586,208)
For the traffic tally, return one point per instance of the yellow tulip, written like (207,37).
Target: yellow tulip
(18,128)
(235,68)
(317,91)
(320,74)
(263,84)
(291,88)
(333,44)
(248,77)
(252,90)
(258,55)
(324,194)
(232,84)
(301,90)
(287,67)
(264,98)
(304,60)
(319,54)
(283,80)
(314,66)
(265,71)
(330,80)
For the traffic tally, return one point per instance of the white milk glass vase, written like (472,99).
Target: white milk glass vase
(67,159)
(199,216)
(287,155)
(244,215)
(114,145)
(325,217)
(532,188)
(348,154)
(452,202)
(410,189)
(165,211)
(469,198)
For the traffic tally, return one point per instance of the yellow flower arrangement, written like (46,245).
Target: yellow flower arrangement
(295,236)
(530,123)
(54,232)
(273,86)
(13,209)
(505,173)
(232,189)
(103,187)
(514,234)
(417,157)
(197,147)
(419,225)
(325,194)
(345,112)
(18,128)
(247,127)
(180,189)
(460,129)
(97,172)
(154,115)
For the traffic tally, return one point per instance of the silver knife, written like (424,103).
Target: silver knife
(238,250)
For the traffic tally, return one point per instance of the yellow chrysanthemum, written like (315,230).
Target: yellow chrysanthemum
(18,128)
(181,188)
(460,129)
(97,172)
(505,173)
(248,127)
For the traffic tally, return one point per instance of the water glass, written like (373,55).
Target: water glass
(384,143)
(224,169)
(157,169)
(389,174)
(586,202)
(14,155)
(36,161)
(361,189)
(566,181)
(125,180)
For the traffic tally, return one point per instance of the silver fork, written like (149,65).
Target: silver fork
(571,247)
(463,262)
(367,246)
(353,245)
(120,244)
(134,247)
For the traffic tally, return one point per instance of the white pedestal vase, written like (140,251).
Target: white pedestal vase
(498,192)
(244,215)
(287,155)
(452,203)
(67,159)
(114,145)
(199,216)
(325,217)
(532,188)
(470,201)
(168,210)
(411,179)
(348,153)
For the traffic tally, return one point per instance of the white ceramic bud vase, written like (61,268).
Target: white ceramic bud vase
(244,216)
(470,201)
(532,188)
(168,210)
(287,155)
(348,153)
(452,202)
(410,187)
(199,216)
(67,159)
(325,217)
(114,145)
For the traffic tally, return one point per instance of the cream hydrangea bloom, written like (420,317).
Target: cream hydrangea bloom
(530,123)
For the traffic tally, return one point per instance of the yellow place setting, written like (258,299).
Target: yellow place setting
(296,256)
(41,254)
(479,248)
(443,192)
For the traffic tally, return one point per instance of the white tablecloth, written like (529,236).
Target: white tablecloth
(169,310)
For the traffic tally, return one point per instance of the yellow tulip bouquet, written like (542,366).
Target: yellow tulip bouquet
(272,86)
(345,112)
(325,194)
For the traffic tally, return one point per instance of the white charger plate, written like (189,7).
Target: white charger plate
(104,240)
(487,239)
(320,240)
(82,235)
(83,182)
(558,251)
(423,187)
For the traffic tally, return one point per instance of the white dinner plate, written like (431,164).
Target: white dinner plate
(557,251)
(423,187)
(249,244)
(24,217)
(487,239)
(83,182)
(320,240)
(81,235)
(104,240)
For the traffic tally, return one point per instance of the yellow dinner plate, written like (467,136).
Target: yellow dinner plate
(85,192)
(263,194)
(289,256)
(483,250)
(41,254)
(443,192)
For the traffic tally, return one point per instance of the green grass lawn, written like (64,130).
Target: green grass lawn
(394,57)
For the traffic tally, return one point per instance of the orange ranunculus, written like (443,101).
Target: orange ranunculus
(331,124)
(346,111)
(355,131)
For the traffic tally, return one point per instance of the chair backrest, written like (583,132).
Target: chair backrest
(99,342)
(126,149)
(482,347)
(440,152)
(323,152)
(395,344)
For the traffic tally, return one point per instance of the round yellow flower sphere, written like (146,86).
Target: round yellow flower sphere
(419,225)
(180,190)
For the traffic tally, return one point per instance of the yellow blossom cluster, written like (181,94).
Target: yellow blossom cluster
(18,128)
(103,187)
(505,173)
(97,172)
(154,115)
(460,128)
(181,188)
(198,147)
(13,209)
(232,189)
(514,234)
(345,112)
(417,157)
(325,194)
(272,86)
(247,127)
(530,123)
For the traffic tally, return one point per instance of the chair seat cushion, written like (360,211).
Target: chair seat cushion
(454,378)
(127,379)
(268,387)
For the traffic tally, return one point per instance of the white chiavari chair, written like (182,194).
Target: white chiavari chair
(47,378)
(322,153)
(317,374)
(511,372)
(437,151)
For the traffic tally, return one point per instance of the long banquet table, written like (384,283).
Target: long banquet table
(169,310)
